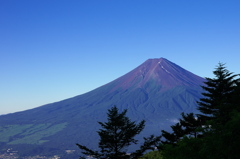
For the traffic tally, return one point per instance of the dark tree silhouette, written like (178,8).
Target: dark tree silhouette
(218,122)
(116,135)
(172,138)
(191,123)
(218,94)
(188,125)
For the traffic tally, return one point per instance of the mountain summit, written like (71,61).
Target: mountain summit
(161,72)
(156,91)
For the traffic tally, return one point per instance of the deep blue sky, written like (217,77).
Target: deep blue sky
(55,49)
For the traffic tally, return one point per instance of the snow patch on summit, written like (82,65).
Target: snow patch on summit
(164,68)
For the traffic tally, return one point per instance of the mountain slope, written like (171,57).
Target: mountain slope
(156,91)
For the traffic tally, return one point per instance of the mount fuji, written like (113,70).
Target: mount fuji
(157,91)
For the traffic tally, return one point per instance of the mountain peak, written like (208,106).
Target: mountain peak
(160,72)
(157,91)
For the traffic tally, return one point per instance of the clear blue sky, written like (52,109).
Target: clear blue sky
(51,50)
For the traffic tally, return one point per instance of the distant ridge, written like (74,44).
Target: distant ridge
(157,91)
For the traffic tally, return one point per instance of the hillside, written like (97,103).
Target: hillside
(156,91)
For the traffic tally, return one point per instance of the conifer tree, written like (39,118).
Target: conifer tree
(236,97)
(191,123)
(219,120)
(217,95)
(116,135)
(187,125)
(172,138)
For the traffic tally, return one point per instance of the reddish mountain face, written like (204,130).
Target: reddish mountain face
(160,71)
(157,91)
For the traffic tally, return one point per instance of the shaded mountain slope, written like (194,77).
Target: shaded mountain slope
(156,91)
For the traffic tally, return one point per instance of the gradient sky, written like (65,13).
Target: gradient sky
(51,50)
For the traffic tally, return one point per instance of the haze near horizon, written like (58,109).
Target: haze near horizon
(53,50)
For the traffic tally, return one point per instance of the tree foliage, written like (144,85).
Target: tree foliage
(191,123)
(218,95)
(214,133)
(188,125)
(152,155)
(116,135)
(172,138)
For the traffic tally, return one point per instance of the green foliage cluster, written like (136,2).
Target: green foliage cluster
(213,134)
(153,155)
(29,133)
(6,132)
